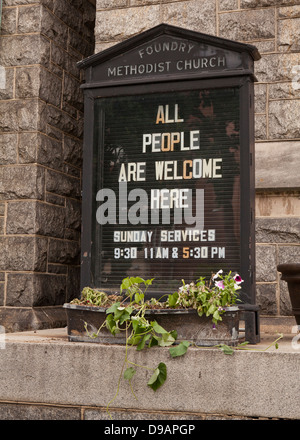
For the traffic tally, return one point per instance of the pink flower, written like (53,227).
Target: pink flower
(238,279)
(220,284)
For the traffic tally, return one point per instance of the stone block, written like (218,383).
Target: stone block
(63,251)
(100,414)
(23,253)
(8,21)
(266,263)
(50,88)
(282,121)
(59,269)
(260,96)
(82,45)
(265,46)
(27,82)
(194,15)
(276,67)
(10,411)
(72,94)
(29,19)
(7,83)
(278,230)
(289,11)
(73,214)
(19,319)
(49,152)
(22,50)
(8,148)
(89,15)
(19,115)
(33,217)
(36,147)
(55,199)
(260,127)
(72,151)
(276,204)
(140,19)
(35,290)
(276,164)
(19,2)
(283,91)
(1,294)
(62,184)
(21,182)
(110,4)
(248,25)
(266,298)
(61,121)
(265,3)
(54,28)
(288,254)
(27,148)
(63,60)
(285,305)
(288,35)
(68,14)
(227,5)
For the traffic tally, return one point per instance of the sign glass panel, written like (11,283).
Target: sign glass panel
(166,187)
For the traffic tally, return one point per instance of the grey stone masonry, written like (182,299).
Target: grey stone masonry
(41,132)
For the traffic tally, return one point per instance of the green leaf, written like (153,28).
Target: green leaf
(143,341)
(180,349)
(166,340)
(137,280)
(113,308)
(172,299)
(216,315)
(153,341)
(129,373)
(158,328)
(111,325)
(126,283)
(226,349)
(173,333)
(159,377)
(124,317)
(138,297)
(243,343)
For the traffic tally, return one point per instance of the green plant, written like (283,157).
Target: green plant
(210,299)
(95,297)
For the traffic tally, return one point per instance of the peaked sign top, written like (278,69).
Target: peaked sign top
(166,52)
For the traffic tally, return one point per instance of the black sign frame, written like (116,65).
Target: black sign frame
(97,87)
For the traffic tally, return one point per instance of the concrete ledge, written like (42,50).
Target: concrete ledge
(19,319)
(44,368)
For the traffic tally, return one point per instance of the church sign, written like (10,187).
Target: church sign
(168,183)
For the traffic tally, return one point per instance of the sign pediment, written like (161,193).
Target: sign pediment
(165,52)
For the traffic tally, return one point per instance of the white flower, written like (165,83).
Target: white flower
(217,274)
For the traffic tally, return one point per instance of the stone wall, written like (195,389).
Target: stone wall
(274,27)
(41,129)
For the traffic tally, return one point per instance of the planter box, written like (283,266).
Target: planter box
(188,324)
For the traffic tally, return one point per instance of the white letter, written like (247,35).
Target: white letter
(146,141)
